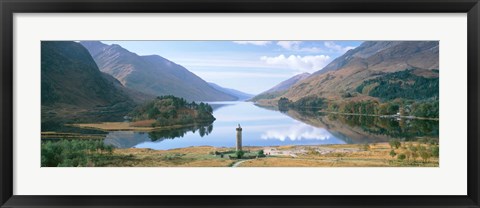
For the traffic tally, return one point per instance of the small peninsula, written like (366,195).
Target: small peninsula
(163,112)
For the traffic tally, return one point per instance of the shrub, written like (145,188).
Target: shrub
(425,155)
(394,143)
(414,155)
(73,153)
(435,151)
(401,157)
(239,154)
(366,147)
(260,153)
(392,153)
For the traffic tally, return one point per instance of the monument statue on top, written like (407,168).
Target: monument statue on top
(239,138)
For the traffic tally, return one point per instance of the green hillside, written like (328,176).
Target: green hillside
(402,84)
(73,89)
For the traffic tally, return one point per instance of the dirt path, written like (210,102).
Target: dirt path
(236,164)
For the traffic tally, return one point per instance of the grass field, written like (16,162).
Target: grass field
(346,155)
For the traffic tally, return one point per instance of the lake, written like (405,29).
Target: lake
(268,127)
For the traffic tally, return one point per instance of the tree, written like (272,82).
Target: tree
(239,154)
(435,151)
(392,153)
(394,143)
(425,155)
(401,157)
(260,153)
(283,104)
(366,147)
(414,155)
(413,148)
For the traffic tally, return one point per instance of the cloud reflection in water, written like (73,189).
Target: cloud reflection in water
(297,132)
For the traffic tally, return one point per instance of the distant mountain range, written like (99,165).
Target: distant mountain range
(282,86)
(73,88)
(238,94)
(152,74)
(372,59)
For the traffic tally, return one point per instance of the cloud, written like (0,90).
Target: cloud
(299,63)
(258,43)
(289,45)
(296,46)
(337,48)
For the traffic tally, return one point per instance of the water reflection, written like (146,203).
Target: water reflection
(368,129)
(268,127)
(128,139)
(297,132)
(179,132)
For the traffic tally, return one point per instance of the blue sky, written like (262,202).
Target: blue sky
(248,66)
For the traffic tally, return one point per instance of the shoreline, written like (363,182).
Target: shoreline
(125,126)
(381,116)
(260,104)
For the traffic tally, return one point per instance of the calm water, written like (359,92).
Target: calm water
(264,127)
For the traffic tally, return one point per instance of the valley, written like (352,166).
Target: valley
(376,105)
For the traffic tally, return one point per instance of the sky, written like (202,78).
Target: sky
(249,66)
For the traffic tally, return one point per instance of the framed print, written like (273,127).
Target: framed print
(244,104)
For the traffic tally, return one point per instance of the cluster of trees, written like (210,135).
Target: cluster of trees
(401,84)
(425,108)
(305,103)
(361,107)
(74,153)
(426,149)
(171,110)
(283,104)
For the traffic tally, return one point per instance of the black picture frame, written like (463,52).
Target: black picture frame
(10,7)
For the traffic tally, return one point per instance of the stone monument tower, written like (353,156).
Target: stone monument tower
(239,138)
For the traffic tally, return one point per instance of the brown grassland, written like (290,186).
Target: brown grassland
(343,155)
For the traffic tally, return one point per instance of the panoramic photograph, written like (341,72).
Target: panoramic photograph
(259,103)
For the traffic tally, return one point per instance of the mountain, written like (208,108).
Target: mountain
(340,79)
(281,87)
(74,89)
(288,83)
(136,96)
(152,74)
(238,94)
(365,50)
